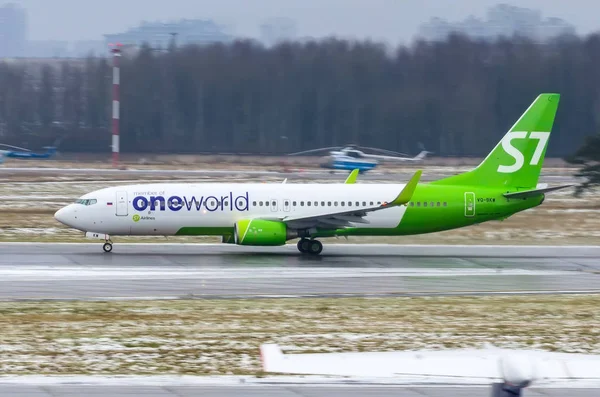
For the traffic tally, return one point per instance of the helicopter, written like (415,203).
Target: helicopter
(350,157)
(23,153)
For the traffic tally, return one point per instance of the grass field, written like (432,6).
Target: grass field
(222,336)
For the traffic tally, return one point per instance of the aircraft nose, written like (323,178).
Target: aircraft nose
(61,215)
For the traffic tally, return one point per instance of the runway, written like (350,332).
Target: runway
(174,271)
(184,387)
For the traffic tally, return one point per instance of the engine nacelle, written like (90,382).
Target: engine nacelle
(262,232)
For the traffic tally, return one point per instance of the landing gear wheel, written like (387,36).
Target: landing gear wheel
(107,247)
(315,247)
(303,245)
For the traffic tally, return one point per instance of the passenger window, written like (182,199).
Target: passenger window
(412,203)
(322,203)
(371,203)
(274,203)
(286,203)
(425,204)
(342,203)
(294,203)
(379,203)
(335,203)
(301,203)
(329,203)
(438,203)
(418,203)
(316,203)
(253,203)
(364,203)
(308,203)
(349,203)
(445,204)
(431,204)
(260,203)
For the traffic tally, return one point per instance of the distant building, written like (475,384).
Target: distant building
(275,30)
(159,35)
(502,20)
(13,30)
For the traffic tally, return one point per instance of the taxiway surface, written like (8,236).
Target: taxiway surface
(171,271)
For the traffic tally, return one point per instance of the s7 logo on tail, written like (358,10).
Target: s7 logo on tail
(542,138)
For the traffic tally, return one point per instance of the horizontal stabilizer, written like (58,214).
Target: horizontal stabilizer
(534,192)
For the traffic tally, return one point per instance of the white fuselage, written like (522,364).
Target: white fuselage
(167,208)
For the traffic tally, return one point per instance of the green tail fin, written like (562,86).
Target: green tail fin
(517,159)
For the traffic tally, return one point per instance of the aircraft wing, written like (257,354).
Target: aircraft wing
(518,368)
(341,219)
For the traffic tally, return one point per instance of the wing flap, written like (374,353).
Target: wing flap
(353,219)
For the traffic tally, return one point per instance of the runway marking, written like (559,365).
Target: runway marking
(33,273)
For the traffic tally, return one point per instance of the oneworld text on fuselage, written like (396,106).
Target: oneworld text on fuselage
(227,202)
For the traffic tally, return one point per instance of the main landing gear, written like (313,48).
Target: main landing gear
(313,247)
(107,247)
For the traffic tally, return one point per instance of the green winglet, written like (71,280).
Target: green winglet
(352,177)
(407,193)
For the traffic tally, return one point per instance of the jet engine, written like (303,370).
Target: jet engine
(262,232)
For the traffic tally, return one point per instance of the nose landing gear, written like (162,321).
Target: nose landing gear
(313,247)
(107,247)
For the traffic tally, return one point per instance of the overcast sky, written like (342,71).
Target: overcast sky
(388,20)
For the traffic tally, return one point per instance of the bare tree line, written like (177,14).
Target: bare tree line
(456,97)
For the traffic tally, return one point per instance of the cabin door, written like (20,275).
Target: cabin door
(121,207)
(469,204)
(286,205)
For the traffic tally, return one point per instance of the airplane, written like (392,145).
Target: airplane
(26,153)
(509,371)
(262,214)
(350,157)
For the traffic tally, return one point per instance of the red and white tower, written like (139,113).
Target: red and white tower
(116,103)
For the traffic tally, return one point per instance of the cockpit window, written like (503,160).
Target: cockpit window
(86,201)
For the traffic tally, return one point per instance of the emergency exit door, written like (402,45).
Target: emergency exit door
(274,206)
(469,204)
(121,206)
